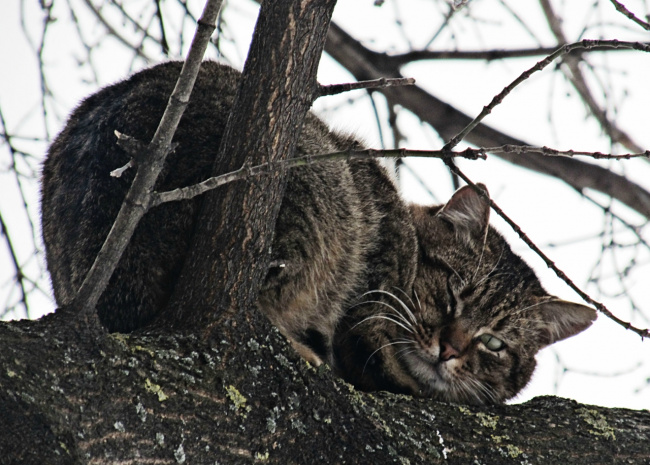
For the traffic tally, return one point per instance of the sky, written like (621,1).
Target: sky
(606,365)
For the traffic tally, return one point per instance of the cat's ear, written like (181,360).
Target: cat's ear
(468,210)
(563,319)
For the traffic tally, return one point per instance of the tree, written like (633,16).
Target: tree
(241,397)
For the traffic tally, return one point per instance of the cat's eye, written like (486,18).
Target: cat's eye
(491,342)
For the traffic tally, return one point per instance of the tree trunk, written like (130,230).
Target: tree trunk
(249,398)
(229,255)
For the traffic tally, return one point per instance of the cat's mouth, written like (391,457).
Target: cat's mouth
(431,375)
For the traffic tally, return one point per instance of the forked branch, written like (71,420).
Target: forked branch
(189,192)
(540,65)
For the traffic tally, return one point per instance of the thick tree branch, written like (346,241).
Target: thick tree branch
(448,121)
(176,399)
(278,86)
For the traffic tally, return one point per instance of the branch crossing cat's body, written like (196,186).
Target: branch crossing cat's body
(422,300)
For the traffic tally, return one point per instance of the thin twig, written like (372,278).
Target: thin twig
(575,76)
(163,36)
(635,229)
(186,193)
(189,192)
(550,152)
(540,65)
(137,200)
(621,9)
(111,30)
(485,55)
(560,274)
(380,83)
(14,258)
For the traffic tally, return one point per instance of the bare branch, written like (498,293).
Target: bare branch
(114,33)
(20,278)
(138,198)
(186,193)
(485,55)
(380,83)
(540,65)
(549,152)
(577,79)
(189,192)
(447,121)
(621,9)
(560,274)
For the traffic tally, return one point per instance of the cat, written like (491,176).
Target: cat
(423,300)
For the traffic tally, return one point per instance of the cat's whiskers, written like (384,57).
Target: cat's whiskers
(406,351)
(494,268)
(450,268)
(419,307)
(480,259)
(470,390)
(484,389)
(383,316)
(489,275)
(407,310)
(415,294)
(520,310)
(391,343)
(395,311)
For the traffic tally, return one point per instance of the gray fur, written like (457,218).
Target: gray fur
(343,234)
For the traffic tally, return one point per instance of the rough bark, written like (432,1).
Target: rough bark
(248,398)
(229,256)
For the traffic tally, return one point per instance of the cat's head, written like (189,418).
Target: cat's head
(470,327)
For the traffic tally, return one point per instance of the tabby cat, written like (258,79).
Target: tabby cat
(423,300)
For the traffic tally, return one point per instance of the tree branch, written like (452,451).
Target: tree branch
(484,55)
(621,9)
(189,192)
(448,121)
(249,398)
(276,89)
(550,152)
(380,83)
(540,65)
(20,278)
(137,200)
(577,79)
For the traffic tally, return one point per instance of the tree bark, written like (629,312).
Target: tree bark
(250,399)
(229,255)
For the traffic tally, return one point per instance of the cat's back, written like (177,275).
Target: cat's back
(80,199)
(327,226)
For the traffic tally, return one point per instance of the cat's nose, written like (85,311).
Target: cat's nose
(447,351)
